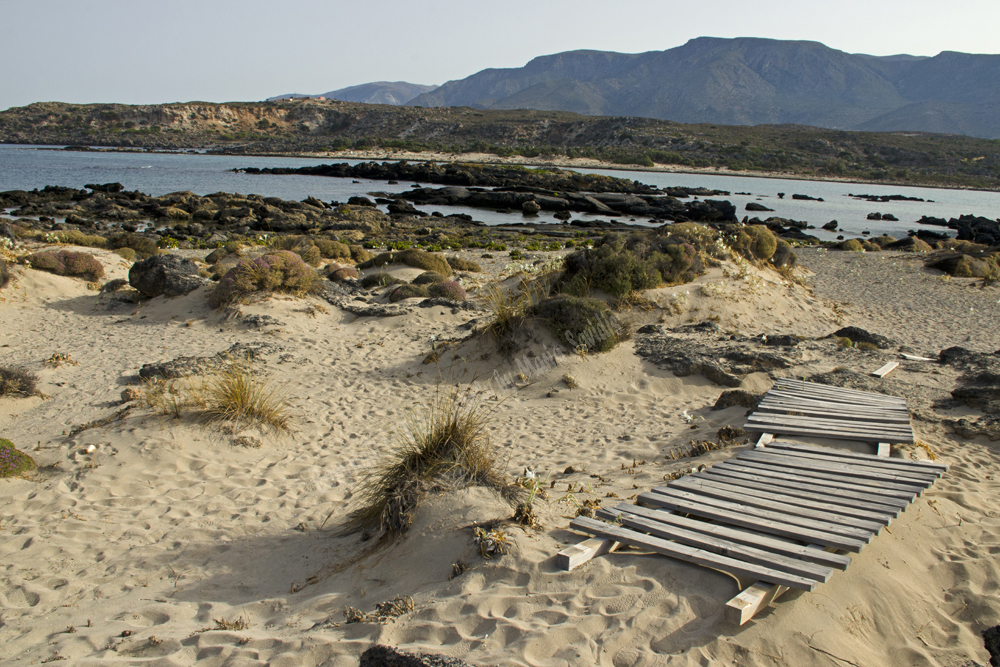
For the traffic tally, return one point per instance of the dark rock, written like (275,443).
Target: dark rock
(929,220)
(890,217)
(806,198)
(740,397)
(109,188)
(360,201)
(563,215)
(312,201)
(531,207)
(178,368)
(858,335)
(781,195)
(403,207)
(831,226)
(785,340)
(991,639)
(167,275)
(754,206)
(7,231)
(386,656)
(874,216)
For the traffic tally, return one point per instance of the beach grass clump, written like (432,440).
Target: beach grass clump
(67,263)
(13,462)
(443,448)
(76,237)
(584,324)
(359,253)
(5,276)
(239,397)
(17,381)
(143,247)
(850,245)
(428,278)
(280,271)
(379,280)
(460,264)
(408,292)
(342,273)
(509,312)
(622,265)
(449,289)
(418,259)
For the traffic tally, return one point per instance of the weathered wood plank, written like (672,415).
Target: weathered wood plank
(823,413)
(578,554)
(751,600)
(774,396)
(913,357)
(795,519)
(717,545)
(847,424)
(763,440)
(789,530)
(690,554)
(831,389)
(823,433)
(801,463)
(842,496)
(820,502)
(814,395)
(759,540)
(926,475)
(884,449)
(856,455)
(885,370)
(826,479)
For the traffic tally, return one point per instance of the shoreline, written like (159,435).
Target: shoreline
(562,163)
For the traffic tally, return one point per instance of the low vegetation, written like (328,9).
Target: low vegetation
(584,324)
(460,264)
(17,381)
(379,280)
(280,271)
(5,276)
(445,447)
(418,259)
(67,263)
(408,292)
(143,247)
(447,290)
(13,462)
(239,397)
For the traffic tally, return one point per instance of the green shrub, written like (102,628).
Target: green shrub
(429,277)
(144,247)
(343,273)
(167,242)
(447,290)
(622,265)
(583,323)
(17,381)
(851,245)
(379,280)
(460,264)
(333,249)
(128,254)
(310,255)
(75,237)
(964,266)
(13,462)
(408,292)
(784,257)
(411,257)
(843,341)
(280,271)
(883,241)
(67,263)
(755,242)
(359,253)
(4,273)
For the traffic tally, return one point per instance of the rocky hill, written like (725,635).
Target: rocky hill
(750,81)
(301,126)
(378,92)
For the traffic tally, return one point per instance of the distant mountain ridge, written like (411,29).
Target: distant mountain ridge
(749,81)
(395,93)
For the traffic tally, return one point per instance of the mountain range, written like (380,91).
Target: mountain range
(743,81)
(395,93)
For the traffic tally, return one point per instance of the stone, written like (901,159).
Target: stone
(165,275)
(360,201)
(740,397)
(530,207)
(991,640)
(831,226)
(754,206)
(386,656)
(130,394)
(858,335)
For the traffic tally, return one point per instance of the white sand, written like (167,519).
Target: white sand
(167,526)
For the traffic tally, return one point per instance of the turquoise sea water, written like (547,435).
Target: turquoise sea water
(29,167)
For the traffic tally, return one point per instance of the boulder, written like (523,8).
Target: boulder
(831,226)
(909,244)
(874,216)
(166,275)
(530,207)
(360,201)
(754,206)
(805,197)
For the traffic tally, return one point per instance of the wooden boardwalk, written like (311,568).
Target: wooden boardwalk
(780,515)
(796,407)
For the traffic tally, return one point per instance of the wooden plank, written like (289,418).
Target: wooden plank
(839,394)
(819,465)
(763,440)
(796,519)
(848,424)
(578,554)
(848,413)
(771,526)
(884,449)
(761,541)
(824,433)
(913,357)
(690,554)
(716,545)
(745,606)
(816,386)
(821,502)
(838,453)
(837,494)
(926,476)
(885,370)
(825,479)
(811,395)
(777,397)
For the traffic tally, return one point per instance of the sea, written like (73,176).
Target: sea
(24,167)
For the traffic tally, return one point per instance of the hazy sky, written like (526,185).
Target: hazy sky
(148,52)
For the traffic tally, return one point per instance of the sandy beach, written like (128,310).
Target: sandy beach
(147,539)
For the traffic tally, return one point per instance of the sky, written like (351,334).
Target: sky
(144,52)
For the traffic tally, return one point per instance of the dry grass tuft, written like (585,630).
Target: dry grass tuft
(509,312)
(239,397)
(446,447)
(17,381)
